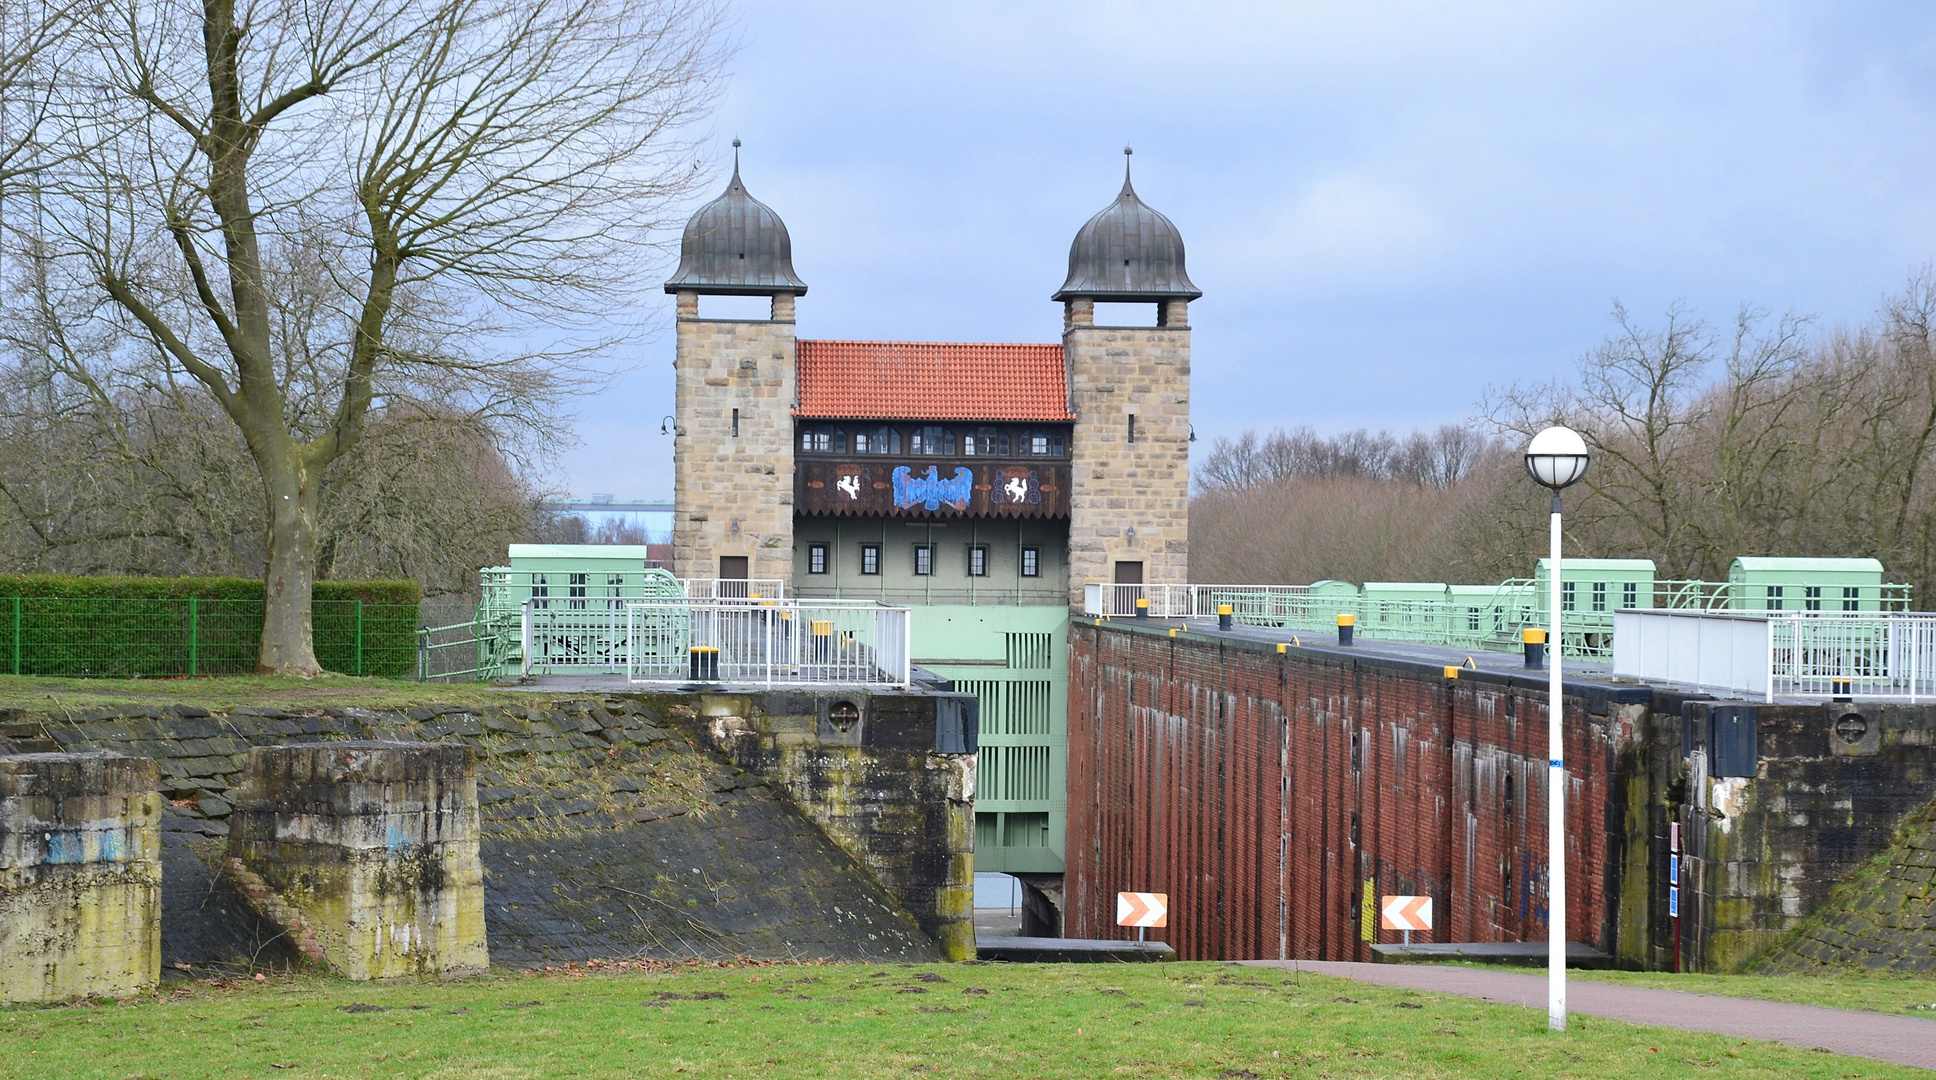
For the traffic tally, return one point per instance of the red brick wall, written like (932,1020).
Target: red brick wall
(1222,773)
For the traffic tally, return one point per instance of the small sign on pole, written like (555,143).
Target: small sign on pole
(1142,910)
(1368,910)
(1407,913)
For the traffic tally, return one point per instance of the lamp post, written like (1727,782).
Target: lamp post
(1556,458)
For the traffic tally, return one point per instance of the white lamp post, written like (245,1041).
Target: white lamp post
(1556,458)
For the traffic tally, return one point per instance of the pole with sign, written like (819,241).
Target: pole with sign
(1142,910)
(1407,913)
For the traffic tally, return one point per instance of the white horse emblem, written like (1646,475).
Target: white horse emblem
(1017,489)
(849,486)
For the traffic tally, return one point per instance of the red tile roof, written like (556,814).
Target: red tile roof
(929,380)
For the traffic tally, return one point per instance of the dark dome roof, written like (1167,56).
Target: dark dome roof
(736,246)
(1127,252)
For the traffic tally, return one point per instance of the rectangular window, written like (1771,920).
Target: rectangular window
(840,442)
(817,440)
(1774,597)
(1031,562)
(933,440)
(1630,595)
(576,590)
(1038,444)
(977,560)
(1812,597)
(1004,445)
(816,558)
(1599,596)
(1132,427)
(923,559)
(1566,596)
(870,558)
(1851,598)
(540,591)
(735,423)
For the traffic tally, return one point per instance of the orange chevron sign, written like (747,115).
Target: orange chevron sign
(1142,909)
(1407,913)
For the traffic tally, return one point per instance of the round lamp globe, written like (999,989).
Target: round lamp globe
(1557,457)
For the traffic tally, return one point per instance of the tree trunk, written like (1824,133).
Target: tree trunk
(288,640)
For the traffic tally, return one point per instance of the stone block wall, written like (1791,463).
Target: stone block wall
(867,770)
(734,493)
(80,876)
(366,853)
(1129,501)
(605,831)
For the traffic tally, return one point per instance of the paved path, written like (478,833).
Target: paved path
(1903,1040)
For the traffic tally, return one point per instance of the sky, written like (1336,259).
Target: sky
(1389,207)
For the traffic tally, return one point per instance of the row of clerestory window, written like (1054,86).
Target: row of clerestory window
(931,440)
(870,560)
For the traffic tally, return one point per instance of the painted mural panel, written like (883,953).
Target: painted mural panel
(927,489)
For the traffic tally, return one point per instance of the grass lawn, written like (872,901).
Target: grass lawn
(1154,1020)
(55,695)
(1876,991)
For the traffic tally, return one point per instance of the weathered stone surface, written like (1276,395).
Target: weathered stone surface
(1882,917)
(733,478)
(877,787)
(615,881)
(80,876)
(366,853)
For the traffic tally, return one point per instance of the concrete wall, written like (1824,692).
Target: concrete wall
(605,830)
(733,493)
(80,877)
(874,780)
(366,853)
(1261,789)
(1130,501)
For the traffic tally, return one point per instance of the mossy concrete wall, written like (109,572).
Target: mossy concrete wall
(80,876)
(1882,917)
(867,769)
(606,831)
(366,853)
(1832,786)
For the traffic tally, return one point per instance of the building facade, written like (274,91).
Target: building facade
(981,484)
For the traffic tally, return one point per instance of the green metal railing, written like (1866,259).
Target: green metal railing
(1492,622)
(111,637)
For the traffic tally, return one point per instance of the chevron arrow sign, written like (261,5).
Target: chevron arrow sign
(1142,909)
(1407,913)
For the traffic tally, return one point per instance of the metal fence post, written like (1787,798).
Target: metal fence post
(359,636)
(194,643)
(16,635)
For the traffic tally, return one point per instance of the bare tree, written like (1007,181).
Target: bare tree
(315,209)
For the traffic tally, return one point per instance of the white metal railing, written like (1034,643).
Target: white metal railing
(735,588)
(1890,657)
(850,642)
(1262,604)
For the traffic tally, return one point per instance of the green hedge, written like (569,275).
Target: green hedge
(122,627)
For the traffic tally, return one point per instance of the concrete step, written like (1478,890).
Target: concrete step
(1045,950)
(1520,953)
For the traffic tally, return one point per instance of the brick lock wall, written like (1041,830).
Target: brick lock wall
(1118,485)
(721,480)
(1225,774)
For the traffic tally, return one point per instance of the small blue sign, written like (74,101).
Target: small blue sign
(1673,902)
(1674,869)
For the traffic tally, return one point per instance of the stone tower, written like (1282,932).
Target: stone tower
(733,447)
(1129,387)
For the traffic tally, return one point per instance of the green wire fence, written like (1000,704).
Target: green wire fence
(158,637)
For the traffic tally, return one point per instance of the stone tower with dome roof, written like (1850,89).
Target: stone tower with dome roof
(734,393)
(1129,388)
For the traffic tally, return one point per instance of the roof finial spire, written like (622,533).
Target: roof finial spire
(735,157)
(1126,152)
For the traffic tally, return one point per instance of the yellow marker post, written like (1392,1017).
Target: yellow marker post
(1368,911)
(1346,623)
(1282,648)
(1451,671)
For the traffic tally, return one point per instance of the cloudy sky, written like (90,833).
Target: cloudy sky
(1388,206)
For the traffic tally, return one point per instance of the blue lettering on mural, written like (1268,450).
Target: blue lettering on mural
(931,491)
(111,847)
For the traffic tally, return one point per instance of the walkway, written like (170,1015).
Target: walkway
(1903,1040)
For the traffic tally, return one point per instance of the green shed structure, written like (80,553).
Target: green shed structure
(1764,583)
